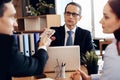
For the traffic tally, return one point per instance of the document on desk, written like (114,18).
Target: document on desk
(46,79)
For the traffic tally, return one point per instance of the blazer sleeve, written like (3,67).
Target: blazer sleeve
(27,66)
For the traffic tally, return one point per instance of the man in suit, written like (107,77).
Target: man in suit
(12,62)
(80,36)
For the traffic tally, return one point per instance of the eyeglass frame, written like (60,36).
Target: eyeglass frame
(68,13)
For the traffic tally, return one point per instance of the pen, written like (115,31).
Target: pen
(63,64)
(58,64)
(57,75)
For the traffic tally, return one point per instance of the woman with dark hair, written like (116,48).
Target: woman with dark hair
(110,24)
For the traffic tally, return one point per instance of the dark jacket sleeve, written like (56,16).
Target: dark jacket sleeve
(27,66)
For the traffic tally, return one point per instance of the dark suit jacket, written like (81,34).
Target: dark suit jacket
(13,63)
(82,38)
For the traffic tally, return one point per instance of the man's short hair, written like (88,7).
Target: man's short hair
(2,2)
(75,4)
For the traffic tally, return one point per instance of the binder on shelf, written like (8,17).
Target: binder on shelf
(36,40)
(32,45)
(21,46)
(16,39)
(26,44)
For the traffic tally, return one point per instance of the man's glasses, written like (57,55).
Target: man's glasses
(73,14)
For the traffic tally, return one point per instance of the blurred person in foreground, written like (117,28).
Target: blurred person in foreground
(12,62)
(110,24)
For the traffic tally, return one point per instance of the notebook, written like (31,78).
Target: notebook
(67,55)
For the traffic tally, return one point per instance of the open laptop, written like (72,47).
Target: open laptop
(67,55)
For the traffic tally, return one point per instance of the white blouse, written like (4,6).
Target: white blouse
(111,68)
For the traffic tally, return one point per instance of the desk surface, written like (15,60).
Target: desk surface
(67,74)
(51,75)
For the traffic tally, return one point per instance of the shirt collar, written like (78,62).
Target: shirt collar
(66,29)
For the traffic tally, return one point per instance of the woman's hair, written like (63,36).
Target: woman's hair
(115,5)
(2,2)
(117,34)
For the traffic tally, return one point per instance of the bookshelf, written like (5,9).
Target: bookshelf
(35,23)
(28,23)
(20,7)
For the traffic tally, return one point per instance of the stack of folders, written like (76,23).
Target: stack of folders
(27,43)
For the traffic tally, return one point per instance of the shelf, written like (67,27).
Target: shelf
(38,22)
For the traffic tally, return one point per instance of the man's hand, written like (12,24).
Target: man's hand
(53,38)
(45,41)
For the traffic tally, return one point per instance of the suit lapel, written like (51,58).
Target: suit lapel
(77,36)
(62,35)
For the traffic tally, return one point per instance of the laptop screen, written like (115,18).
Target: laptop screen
(67,55)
